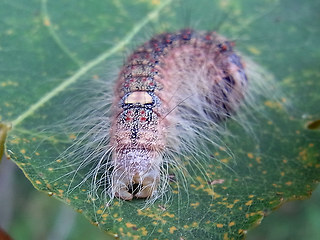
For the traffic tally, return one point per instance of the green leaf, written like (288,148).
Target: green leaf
(50,49)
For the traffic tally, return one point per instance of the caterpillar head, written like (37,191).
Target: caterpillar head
(136,173)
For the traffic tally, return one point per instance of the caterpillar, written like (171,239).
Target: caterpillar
(168,95)
(162,118)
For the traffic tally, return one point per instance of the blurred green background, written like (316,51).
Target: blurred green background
(29,214)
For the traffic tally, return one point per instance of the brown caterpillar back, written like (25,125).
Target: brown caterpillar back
(171,86)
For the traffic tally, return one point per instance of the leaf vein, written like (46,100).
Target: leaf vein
(89,65)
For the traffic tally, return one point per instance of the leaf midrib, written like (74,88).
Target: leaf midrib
(90,64)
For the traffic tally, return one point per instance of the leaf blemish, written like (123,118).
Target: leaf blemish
(314,125)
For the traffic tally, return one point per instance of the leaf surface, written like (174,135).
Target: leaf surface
(50,48)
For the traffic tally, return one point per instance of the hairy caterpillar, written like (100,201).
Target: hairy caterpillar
(168,85)
(170,100)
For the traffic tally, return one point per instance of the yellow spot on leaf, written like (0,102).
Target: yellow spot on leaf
(303,155)
(249,203)
(195,224)
(46,22)
(15,141)
(193,186)
(225,236)
(231,224)
(172,229)
(72,137)
(23,151)
(273,105)
(289,183)
(8,83)
(211,192)
(38,182)
(143,231)
(250,155)
(130,225)
(254,50)
(194,204)
(223,149)
(99,211)
(155,2)
(136,237)
(200,179)
(219,225)
(258,159)
(225,160)
(168,214)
